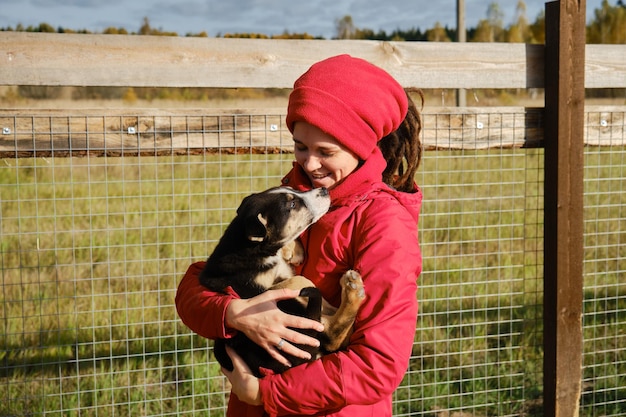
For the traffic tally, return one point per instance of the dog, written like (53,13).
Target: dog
(257,253)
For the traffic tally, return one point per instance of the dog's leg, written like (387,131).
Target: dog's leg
(293,253)
(338,327)
(297,282)
(337,322)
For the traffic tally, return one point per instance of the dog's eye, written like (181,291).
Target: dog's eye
(292,204)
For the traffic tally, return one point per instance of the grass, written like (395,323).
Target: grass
(92,250)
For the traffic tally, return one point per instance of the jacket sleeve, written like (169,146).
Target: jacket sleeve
(387,255)
(202,310)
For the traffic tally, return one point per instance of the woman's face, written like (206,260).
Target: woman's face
(325,161)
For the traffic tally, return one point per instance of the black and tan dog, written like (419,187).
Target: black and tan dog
(257,253)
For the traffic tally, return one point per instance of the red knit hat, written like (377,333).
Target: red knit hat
(352,100)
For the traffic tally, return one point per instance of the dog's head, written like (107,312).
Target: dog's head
(279,215)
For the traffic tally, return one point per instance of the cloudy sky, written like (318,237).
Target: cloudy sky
(217,17)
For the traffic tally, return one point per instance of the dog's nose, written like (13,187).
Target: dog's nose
(323,192)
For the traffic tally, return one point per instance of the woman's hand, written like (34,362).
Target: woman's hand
(244,384)
(265,324)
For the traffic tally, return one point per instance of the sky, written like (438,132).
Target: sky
(270,17)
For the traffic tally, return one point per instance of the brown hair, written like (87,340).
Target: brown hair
(402,148)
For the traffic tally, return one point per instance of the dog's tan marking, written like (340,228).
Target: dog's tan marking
(280,272)
(294,226)
(263,221)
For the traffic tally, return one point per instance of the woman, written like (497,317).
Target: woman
(338,112)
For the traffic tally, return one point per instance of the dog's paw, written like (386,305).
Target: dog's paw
(298,254)
(352,286)
(293,253)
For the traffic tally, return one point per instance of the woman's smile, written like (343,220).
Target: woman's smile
(325,161)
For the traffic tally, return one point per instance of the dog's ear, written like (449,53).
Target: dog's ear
(256,228)
(246,205)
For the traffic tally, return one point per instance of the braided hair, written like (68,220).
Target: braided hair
(402,148)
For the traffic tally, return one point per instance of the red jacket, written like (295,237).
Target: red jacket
(372,229)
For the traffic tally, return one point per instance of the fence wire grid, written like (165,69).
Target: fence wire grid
(93,245)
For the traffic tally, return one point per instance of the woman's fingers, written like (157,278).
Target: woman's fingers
(264,323)
(277,353)
(297,322)
(244,384)
(286,347)
(297,338)
(290,320)
(289,337)
(238,363)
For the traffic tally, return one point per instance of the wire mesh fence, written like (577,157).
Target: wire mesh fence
(604,305)
(102,216)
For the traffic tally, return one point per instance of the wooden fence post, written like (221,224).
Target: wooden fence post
(563,221)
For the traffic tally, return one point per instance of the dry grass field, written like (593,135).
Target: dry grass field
(93,247)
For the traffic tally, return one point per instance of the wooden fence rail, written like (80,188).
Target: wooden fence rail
(27,133)
(146,61)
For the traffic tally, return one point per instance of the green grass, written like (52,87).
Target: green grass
(92,250)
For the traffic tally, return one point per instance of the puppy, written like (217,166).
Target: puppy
(257,253)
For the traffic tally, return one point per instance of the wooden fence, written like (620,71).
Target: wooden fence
(563,68)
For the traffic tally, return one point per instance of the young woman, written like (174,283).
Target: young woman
(339,111)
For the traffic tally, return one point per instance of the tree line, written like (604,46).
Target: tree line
(607,26)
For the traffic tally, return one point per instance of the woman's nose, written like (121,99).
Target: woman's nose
(311,163)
